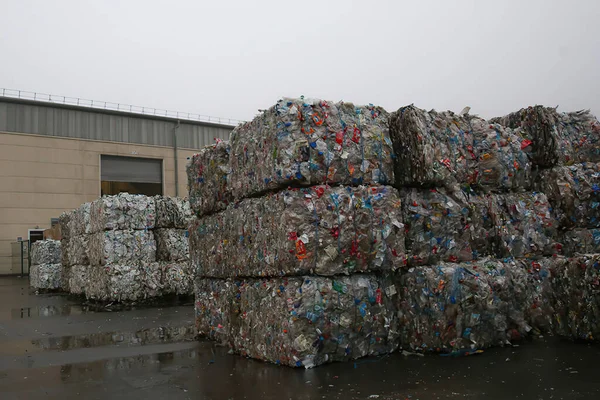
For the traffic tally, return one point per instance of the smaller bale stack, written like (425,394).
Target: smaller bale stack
(112,248)
(46,269)
(173,216)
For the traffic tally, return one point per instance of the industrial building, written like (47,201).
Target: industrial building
(57,153)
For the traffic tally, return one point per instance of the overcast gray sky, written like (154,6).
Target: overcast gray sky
(230,58)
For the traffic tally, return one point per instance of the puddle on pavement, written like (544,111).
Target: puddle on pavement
(62,310)
(158,335)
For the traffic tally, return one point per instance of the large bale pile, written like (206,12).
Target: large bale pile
(115,252)
(46,269)
(327,232)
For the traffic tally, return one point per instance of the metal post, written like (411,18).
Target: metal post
(176,159)
(22,266)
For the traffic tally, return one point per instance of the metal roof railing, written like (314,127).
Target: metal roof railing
(105,105)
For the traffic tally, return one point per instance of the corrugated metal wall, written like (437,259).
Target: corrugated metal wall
(116,127)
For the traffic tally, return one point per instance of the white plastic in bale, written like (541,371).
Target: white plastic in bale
(79,278)
(46,252)
(172,212)
(171,245)
(122,247)
(123,211)
(177,278)
(75,250)
(121,283)
(45,276)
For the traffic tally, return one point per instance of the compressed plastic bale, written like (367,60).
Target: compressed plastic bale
(531,284)
(152,277)
(577,289)
(78,279)
(177,278)
(172,212)
(436,149)
(300,321)
(556,138)
(525,227)
(208,172)
(65,226)
(216,308)
(310,142)
(455,307)
(579,137)
(580,241)
(118,283)
(46,252)
(445,226)
(122,211)
(65,271)
(80,221)
(122,247)
(574,192)
(321,230)
(171,244)
(75,251)
(539,129)
(45,276)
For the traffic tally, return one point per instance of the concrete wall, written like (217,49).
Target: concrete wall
(41,176)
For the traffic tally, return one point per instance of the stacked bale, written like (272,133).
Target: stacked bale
(173,216)
(565,148)
(46,270)
(464,307)
(295,269)
(472,220)
(576,287)
(554,138)
(112,248)
(443,149)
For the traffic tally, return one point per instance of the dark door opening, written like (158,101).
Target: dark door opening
(131,174)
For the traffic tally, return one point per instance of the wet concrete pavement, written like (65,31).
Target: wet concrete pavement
(53,347)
